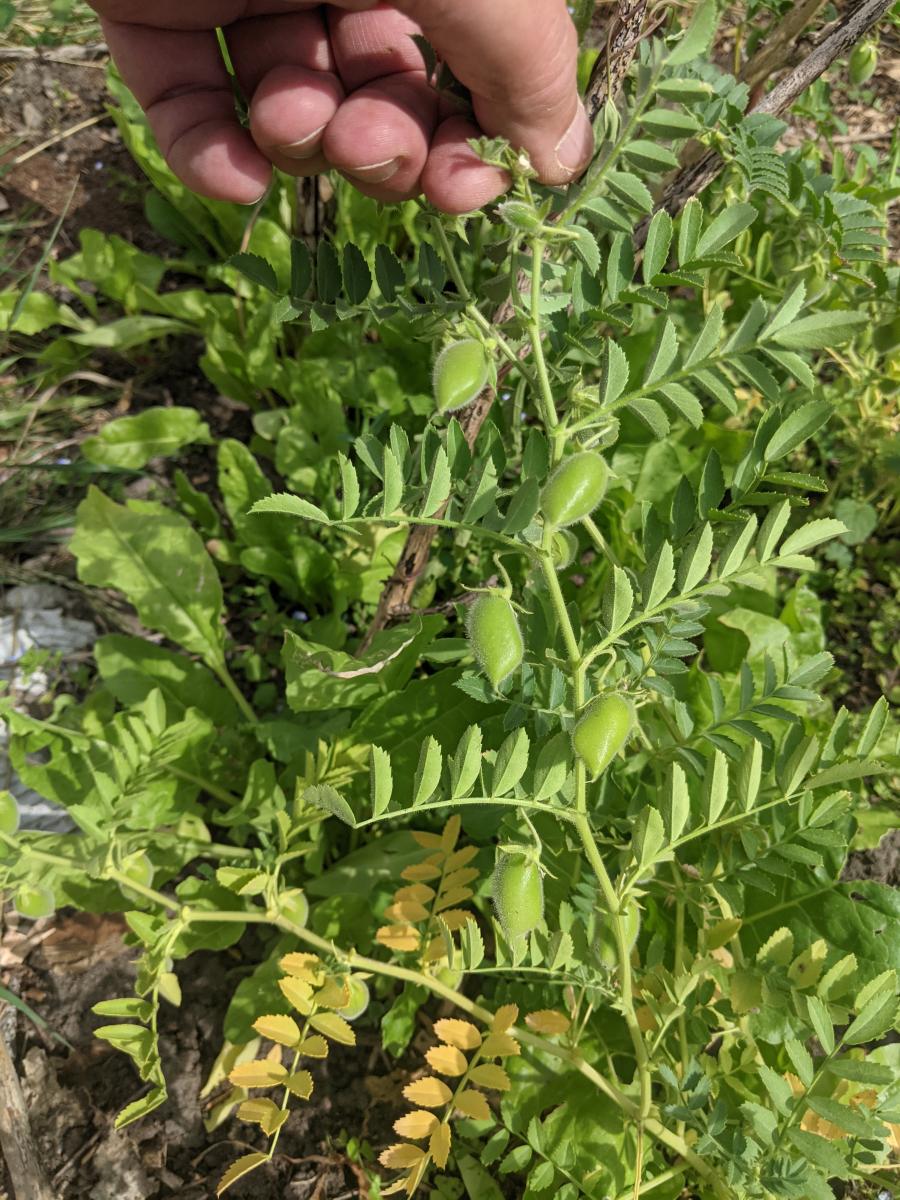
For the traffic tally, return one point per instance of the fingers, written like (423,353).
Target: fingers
(380,136)
(285,64)
(180,81)
(519,60)
(455,179)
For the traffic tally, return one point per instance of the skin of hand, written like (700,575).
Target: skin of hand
(343,86)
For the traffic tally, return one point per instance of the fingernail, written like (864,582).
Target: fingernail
(376,172)
(306,147)
(576,144)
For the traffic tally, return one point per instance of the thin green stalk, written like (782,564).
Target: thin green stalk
(205,785)
(360,962)
(545,399)
(227,680)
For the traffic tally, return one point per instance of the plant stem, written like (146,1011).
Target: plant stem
(545,399)
(205,785)
(227,680)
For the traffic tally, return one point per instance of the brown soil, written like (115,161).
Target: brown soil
(73,1096)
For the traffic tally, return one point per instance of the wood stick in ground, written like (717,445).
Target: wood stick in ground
(781,44)
(846,33)
(19,1151)
(609,70)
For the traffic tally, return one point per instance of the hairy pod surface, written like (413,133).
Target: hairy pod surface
(460,372)
(35,901)
(294,905)
(494,637)
(574,489)
(564,548)
(518,893)
(138,868)
(601,731)
(359,999)
(863,62)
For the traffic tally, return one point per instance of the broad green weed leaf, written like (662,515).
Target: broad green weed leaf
(130,442)
(155,558)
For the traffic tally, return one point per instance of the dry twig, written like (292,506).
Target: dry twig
(19,1151)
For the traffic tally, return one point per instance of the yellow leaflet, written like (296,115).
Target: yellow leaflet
(439,1146)
(335,993)
(261,1073)
(401,1155)
(314,1047)
(417,1124)
(455,918)
(473,1104)
(300,1084)
(398,937)
(548,1021)
(461,878)
(489,1075)
(264,1113)
(504,1017)
(416,891)
(462,1034)
(499,1045)
(407,910)
(460,858)
(334,1027)
(453,897)
(420,872)
(300,964)
(451,833)
(297,993)
(283,1030)
(447,1060)
(239,1169)
(428,841)
(429,1092)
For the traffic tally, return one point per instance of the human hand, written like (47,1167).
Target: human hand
(343,86)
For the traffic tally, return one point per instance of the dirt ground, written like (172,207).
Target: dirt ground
(63,966)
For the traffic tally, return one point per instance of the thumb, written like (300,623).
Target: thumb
(519,59)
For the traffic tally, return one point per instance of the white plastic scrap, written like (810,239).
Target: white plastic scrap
(32,616)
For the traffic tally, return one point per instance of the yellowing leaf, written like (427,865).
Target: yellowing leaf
(447,1060)
(460,858)
(806,968)
(646,1018)
(462,1034)
(417,1124)
(300,1084)
(491,1076)
(452,898)
(429,1092)
(283,1030)
(439,1146)
(420,872)
(460,878)
(548,1021)
(261,1073)
(415,891)
(723,931)
(428,841)
(456,918)
(407,910)
(239,1169)
(500,1045)
(334,1027)
(505,1016)
(314,1047)
(401,1155)
(264,1113)
(304,966)
(473,1104)
(398,937)
(435,950)
(334,993)
(298,993)
(451,832)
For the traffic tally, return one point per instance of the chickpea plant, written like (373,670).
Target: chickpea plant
(584,801)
